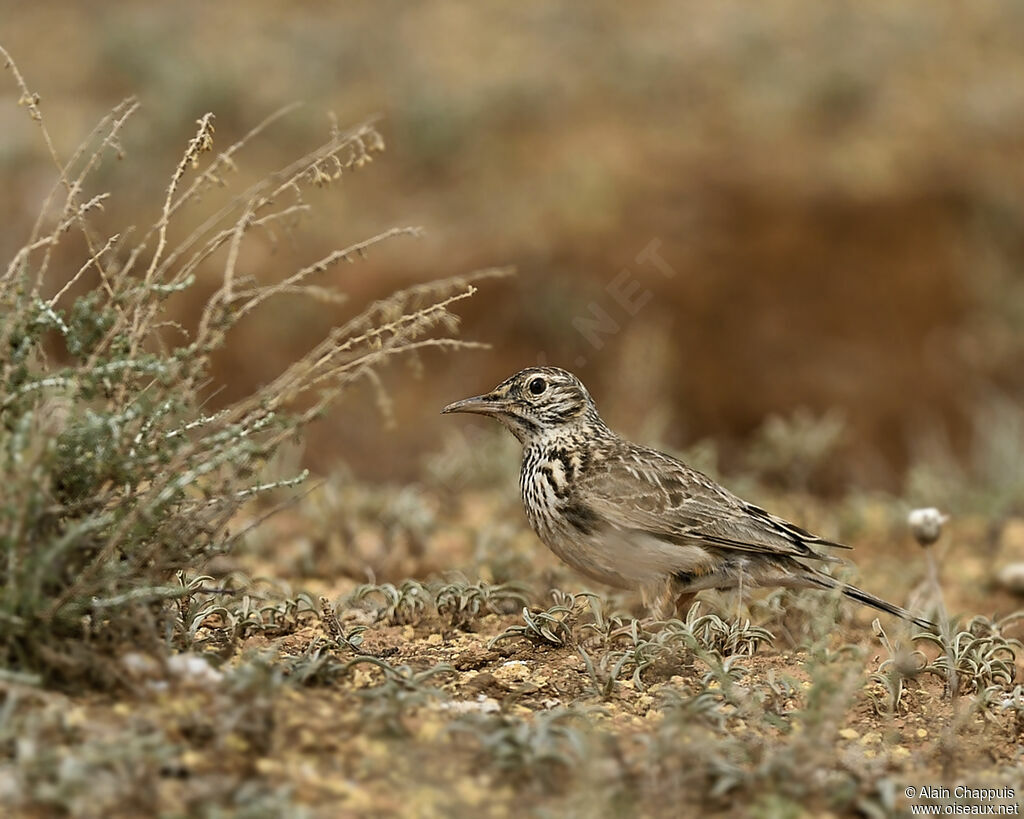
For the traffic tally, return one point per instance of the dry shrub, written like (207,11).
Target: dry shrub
(115,477)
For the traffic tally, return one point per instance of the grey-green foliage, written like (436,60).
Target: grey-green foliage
(403,689)
(674,644)
(400,517)
(459,602)
(403,604)
(990,479)
(114,475)
(902,664)
(791,448)
(976,657)
(722,637)
(616,645)
(1014,701)
(704,741)
(474,458)
(552,626)
(540,751)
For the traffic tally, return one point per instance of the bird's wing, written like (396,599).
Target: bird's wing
(668,500)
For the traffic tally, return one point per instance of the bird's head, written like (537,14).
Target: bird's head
(535,402)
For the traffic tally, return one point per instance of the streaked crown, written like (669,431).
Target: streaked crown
(535,401)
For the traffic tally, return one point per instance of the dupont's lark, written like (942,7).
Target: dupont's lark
(637,518)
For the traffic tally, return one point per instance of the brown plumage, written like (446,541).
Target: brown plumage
(636,518)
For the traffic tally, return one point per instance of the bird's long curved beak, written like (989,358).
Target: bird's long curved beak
(489,404)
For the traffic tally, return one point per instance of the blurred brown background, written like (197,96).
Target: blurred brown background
(824,201)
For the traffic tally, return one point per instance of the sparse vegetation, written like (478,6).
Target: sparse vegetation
(168,646)
(116,476)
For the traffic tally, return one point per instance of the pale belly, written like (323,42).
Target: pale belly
(622,558)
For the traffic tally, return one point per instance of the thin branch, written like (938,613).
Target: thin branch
(93,259)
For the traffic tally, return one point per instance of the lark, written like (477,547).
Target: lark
(636,518)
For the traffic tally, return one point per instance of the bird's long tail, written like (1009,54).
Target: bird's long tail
(867,599)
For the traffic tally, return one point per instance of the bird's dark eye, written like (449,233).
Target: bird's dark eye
(537,386)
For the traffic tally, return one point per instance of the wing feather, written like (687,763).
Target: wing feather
(668,500)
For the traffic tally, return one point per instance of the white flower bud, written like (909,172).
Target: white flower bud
(926,524)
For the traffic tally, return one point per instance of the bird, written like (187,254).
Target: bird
(636,518)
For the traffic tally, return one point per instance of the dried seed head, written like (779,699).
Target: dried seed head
(926,524)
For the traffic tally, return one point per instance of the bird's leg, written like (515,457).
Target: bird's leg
(657,599)
(683,603)
(739,595)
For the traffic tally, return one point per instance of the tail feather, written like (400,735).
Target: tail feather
(882,605)
(868,599)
